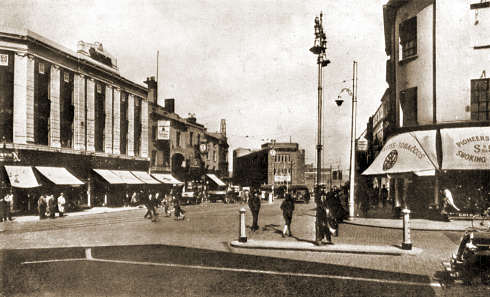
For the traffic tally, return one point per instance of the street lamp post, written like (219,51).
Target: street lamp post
(319,48)
(352,171)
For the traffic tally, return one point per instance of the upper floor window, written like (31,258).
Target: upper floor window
(408,38)
(480,99)
(177,139)
(191,135)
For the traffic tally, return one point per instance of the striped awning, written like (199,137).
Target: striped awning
(166,178)
(127,177)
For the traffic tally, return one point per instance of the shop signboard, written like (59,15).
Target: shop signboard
(282,178)
(9,156)
(466,148)
(362,145)
(163,127)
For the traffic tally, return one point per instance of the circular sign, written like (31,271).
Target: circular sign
(273,152)
(390,160)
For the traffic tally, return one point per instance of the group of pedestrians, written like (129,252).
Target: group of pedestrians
(48,205)
(329,214)
(152,200)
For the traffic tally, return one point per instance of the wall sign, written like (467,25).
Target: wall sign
(9,156)
(163,128)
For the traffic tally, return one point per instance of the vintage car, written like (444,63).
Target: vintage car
(471,262)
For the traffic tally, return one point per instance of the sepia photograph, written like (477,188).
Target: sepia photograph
(250,148)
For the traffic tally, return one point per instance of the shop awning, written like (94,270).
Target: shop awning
(109,176)
(145,177)
(21,176)
(166,178)
(215,179)
(466,148)
(127,177)
(407,152)
(59,175)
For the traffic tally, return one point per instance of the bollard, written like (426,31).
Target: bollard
(406,244)
(270,198)
(242,235)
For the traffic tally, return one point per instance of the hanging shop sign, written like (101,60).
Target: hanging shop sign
(4,60)
(163,127)
(362,145)
(466,148)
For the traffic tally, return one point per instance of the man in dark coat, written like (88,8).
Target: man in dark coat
(41,206)
(323,228)
(254,205)
(287,207)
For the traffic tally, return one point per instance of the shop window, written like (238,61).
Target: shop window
(6,95)
(480,99)
(408,38)
(408,102)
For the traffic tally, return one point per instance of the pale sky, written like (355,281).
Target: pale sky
(243,60)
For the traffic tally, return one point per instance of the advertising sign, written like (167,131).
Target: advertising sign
(466,148)
(362,145)
(163,128)
(282,178)
(4,60)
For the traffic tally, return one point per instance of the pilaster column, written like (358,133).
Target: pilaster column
(90,114)
(30,99)
(79,120)
(116,128)
(20,93)
(108,120)
(131,125)
(144,129)
(54,97)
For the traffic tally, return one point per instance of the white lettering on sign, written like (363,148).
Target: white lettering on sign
(405,146)
(471,158)
(4,60)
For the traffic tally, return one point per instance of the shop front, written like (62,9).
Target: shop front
(419,164)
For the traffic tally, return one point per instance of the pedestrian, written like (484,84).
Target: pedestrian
(52,206)
(447,204)
(3,211)
(287,207)
(384,195)
(61,204)
(254,205)
(9,199)
(179,212)
(41,206)
(149,205)
(323,226)
(134,199)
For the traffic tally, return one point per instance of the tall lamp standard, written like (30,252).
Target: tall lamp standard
(319,48)
(352,170)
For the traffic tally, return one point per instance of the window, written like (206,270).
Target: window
(408,38)
(198,139)
(123,123)
(191,135)
(67,110)
(480,99)
(154,159)
(41,68)
(99,118)
(177,139)
(42,104)
(6,95)
(408,102)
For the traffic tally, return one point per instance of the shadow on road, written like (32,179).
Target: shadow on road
(160,270)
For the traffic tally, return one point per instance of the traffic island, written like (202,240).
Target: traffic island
(331,248)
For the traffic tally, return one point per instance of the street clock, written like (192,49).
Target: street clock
(203,147)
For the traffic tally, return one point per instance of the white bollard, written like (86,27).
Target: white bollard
(406,244)
(242,236)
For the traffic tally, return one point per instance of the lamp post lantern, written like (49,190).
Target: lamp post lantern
(319,48)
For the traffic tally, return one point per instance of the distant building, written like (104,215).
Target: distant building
(331,176)
(275,163)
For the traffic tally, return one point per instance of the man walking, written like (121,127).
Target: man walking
(287,207)
(254,205)
(323,214)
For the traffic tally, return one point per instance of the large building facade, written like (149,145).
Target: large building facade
(275,163)
(438,100)
(70,122)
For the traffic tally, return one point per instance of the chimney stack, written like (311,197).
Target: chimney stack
(223,127)
(170,105)
(152,89)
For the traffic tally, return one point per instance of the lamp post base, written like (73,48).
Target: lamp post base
(406,246)
(242,239)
